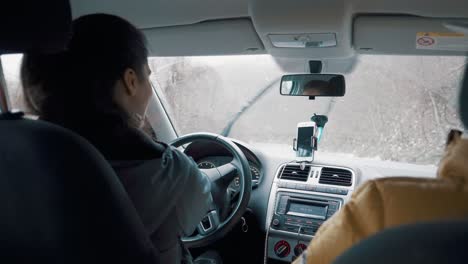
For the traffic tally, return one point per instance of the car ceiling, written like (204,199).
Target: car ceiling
(164,13)
(227,27)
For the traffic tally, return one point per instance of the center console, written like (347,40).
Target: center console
(299,206)
(302,213)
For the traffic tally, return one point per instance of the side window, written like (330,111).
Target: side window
(11,69)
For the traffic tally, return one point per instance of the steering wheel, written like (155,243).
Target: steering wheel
(216,223)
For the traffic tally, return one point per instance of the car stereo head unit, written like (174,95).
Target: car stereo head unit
(307,208)
(304,214)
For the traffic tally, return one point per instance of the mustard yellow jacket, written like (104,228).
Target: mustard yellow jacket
(390,202)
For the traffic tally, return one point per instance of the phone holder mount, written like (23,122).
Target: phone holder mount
(313,143)
(304,156)
(321,121)
(304,160)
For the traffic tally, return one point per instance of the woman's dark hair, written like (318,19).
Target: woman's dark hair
(75,88)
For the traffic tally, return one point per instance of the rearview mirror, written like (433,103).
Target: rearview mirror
(332,85)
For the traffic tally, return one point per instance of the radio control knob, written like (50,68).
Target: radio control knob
(275,222)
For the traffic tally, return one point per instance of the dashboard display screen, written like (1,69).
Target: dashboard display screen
(308,209)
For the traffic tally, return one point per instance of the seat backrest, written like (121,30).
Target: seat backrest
(61,202)
(425,243)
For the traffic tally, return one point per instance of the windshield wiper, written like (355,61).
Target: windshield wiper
(250,103)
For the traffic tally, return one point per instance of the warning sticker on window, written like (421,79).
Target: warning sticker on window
(449,41)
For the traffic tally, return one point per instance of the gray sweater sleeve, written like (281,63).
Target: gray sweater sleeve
(171,183)
(195,199)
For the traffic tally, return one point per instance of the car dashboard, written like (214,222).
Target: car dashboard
(209,155)
(290,199)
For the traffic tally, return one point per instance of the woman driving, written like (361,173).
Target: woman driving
(99,88)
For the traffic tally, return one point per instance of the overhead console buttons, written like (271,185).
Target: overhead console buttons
(307,40)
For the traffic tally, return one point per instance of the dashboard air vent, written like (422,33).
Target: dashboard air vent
(336,176)
(295,173)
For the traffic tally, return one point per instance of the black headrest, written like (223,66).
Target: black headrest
(32,25)
(464,99)
(425,242)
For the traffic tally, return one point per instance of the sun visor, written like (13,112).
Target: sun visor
(409,35)
(219,37)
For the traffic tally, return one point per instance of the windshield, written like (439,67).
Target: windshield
(397,108)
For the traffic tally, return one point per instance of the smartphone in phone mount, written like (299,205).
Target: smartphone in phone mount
(305,144)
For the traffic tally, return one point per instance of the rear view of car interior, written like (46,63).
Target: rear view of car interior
(229,89)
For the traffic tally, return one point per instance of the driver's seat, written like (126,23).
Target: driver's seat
(61,202)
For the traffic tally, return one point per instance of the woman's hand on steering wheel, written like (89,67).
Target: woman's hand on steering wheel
(218,221)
